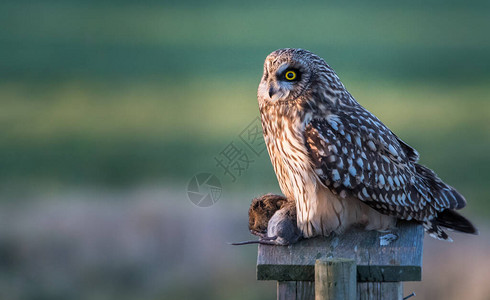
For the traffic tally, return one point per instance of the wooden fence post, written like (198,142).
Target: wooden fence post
(335,278)
(380,269)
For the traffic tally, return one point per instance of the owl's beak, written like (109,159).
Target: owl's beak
(272,90)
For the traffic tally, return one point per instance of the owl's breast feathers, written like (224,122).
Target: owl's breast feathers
(284,137)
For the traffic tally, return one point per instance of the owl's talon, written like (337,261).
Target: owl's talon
(259,233)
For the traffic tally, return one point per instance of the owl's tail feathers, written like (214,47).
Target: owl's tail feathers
(451,220)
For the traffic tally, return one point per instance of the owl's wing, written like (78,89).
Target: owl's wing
(354,154)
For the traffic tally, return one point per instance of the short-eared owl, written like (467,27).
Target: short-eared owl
(338,162)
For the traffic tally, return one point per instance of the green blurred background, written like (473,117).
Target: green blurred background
(109,108)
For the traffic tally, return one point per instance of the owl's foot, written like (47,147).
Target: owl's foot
(387,239)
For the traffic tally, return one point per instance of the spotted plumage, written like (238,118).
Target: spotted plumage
(338,162)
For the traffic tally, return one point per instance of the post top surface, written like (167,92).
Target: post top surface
(401,260)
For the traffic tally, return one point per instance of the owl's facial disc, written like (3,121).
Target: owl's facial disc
(281,83)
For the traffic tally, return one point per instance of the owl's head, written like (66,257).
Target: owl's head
(291,73)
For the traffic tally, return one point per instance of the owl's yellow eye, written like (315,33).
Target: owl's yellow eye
(290,75)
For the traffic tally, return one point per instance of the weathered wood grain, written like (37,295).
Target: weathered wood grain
(335,278)
(401,260)
(379,290)
(295,290)
(305,290)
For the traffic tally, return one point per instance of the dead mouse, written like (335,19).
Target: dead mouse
(273,219)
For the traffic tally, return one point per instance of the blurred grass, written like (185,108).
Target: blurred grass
(128,133)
